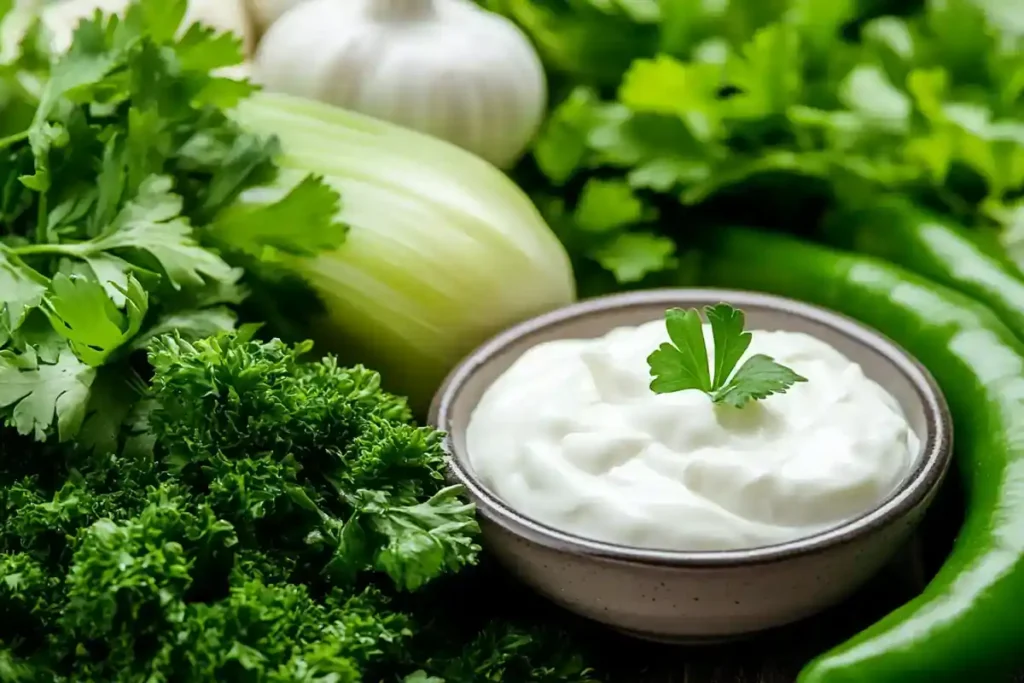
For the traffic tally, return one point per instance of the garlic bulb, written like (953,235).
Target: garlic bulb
(62,17)
(443,67)
(265,12)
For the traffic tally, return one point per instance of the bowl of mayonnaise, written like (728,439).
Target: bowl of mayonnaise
(617,478)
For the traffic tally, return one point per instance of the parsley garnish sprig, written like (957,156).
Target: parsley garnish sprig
(683,363)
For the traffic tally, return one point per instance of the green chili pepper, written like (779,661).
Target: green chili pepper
(968,624)
(897,231)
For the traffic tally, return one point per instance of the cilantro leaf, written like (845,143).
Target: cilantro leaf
(607,205)
(203,49)
(81,312)
(607,227)
(753,100)
(867,91)
(224,169)
(113,394)
(633,255)
(589,41)
(302,223)
(152,223)
(119,150)
(22,290)
(683,363)
(112,272)
(34,393)
(767,71)
(664,85)
(561,147)
(86,63)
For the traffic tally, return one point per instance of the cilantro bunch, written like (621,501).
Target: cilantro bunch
(117,160)
(769,112)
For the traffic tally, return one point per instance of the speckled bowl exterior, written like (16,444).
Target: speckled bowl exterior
(710,595)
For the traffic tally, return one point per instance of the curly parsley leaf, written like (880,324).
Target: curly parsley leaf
(683,363)
(315,447)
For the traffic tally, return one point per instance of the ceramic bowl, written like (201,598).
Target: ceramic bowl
(709,595)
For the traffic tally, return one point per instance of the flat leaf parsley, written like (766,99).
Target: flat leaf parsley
(683,363)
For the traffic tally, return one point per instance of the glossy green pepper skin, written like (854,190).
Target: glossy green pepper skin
(898,231)
(968,624)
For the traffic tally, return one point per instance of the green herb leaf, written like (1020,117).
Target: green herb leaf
(22,290)
(561,147)
(664,85)
(81,312)
(153,223)
(683,364)
(203,49)
(422,540)
(607,205)
(633,255)
(34,393)
(301,224)
(731,342)
(758,378)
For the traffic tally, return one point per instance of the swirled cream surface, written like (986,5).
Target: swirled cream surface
(572,436)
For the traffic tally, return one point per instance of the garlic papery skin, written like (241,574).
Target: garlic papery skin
(265,12)
(443,67)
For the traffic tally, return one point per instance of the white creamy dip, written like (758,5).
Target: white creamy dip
(572,436)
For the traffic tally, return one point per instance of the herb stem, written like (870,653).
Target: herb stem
(41,249)
(12,140)
(42,220)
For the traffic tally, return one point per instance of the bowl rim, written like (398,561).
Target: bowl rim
(917,486)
